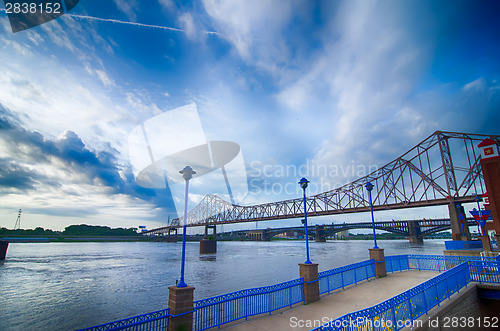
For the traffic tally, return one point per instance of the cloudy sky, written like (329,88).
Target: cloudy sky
(298,85)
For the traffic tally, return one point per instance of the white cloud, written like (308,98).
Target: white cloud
(246,24)
(127,7)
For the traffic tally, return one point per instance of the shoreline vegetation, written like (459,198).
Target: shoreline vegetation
(73,233)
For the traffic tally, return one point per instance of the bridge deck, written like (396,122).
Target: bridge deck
(364,295)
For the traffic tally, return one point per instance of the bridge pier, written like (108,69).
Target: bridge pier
(172,235)
(414,232)
(259,235)
(208,245)
(320,234)
(3,249)
(457,215)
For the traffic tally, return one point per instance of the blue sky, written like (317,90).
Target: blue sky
(297,84)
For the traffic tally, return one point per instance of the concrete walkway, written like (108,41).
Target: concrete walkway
(306,317)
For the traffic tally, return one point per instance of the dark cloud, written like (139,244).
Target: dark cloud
(16,176)
(27,151)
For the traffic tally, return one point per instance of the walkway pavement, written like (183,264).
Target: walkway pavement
(306,317)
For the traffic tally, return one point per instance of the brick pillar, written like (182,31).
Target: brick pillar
(491,173)
(485,240)
(180,300)
(378,255)
(3,249)
(309,272)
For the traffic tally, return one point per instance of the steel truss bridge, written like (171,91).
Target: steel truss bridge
(442,169)
(414,229)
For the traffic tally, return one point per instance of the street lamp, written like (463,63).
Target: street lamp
(369,188)
(303,183)
(187,174)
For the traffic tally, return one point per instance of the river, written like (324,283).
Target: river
(66,286)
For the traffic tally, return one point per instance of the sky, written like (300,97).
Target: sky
(297,85)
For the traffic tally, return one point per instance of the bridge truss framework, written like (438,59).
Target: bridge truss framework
(442,169)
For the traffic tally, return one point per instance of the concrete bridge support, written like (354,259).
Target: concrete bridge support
(415,232)
(259,235)
(320,234)
(208,245)
(172,235)
(457,216)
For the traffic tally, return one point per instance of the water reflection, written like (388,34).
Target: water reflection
(210,258)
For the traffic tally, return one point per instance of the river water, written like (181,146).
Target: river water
(66,286)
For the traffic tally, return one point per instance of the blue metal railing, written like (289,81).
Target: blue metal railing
(396,263)
(215,311)
(157,320)
(485,271)
(337,278)
(462,244)
(401,310)
(441,262)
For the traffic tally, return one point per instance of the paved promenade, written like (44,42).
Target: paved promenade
(306,317)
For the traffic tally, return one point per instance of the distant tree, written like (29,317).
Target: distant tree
(97,230)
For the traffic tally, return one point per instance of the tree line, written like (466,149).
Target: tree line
(81,230)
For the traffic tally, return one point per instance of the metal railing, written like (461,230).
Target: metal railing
(337,278)
(485,271)
(396,263)
(215,311)
(462,244)
(157,320)
(401,310)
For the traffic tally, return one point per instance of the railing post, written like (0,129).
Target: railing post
(180,301)
(309,271)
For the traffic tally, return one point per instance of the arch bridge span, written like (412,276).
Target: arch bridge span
(414,230)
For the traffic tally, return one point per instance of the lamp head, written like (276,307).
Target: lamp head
(369,186)
(187,172)
(303,183)
(477,199)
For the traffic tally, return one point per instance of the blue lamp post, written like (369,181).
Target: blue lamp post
(187,174)
(369,188)
(303,183)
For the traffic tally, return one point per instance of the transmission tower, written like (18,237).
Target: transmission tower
(17,226)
